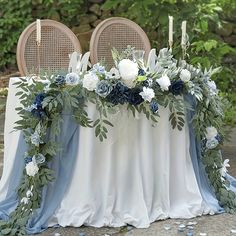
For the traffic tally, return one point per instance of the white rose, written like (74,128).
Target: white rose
(223,170)
(29,194)
(90,81)
(211,132)
(185,75)
(31,169)
(147,94)
(24,200)
(164,82)
(128,71)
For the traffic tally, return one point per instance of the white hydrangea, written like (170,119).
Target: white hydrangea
(31,168)
(185,75)
(211,132)
(164,82)
(147,94)
(128,72)
(90,81)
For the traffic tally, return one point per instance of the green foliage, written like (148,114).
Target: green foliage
(16,15)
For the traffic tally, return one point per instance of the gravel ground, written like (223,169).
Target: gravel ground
(217,225)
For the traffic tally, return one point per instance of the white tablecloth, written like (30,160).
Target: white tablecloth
(138,175)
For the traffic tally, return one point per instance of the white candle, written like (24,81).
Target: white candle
(183,39)
(170,29)
(38,31)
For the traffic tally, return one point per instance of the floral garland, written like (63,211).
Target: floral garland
(142,87)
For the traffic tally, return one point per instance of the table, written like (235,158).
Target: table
(140,174)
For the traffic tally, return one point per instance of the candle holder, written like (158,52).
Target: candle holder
(170,45)
(184,45)
(138,55)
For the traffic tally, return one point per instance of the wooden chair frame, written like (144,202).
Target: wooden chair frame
(22,42)
(116,20)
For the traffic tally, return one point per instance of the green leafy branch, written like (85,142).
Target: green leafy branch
(177,112)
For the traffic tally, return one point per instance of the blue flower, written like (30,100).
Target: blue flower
(212,143)
(39,98)
(177,87)
(40,158)
(154,106)
(141,72)
(98,68)
(72,79)
(60,80)
(218,138)
(147,83)
(35,139)
(28,160)
(103,88)
(134,97)
(37,108)
(119,94)
(203,143)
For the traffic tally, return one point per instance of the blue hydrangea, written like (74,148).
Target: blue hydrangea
(119,94)
(103,88)
(177,87)
(154,106)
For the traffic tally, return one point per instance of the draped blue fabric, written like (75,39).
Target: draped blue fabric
(10,202)
(195,153)
(206,189)
(53,194)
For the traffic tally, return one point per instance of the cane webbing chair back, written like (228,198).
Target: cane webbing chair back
(116,32)
(57,42)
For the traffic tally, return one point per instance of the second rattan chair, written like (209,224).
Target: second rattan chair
(116,32)
(57,42)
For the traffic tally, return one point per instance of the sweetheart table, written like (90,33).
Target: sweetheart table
(138,175)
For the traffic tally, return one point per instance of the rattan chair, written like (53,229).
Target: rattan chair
(116,32)
(57,42)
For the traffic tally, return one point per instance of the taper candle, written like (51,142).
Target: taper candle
(170,30)
(38,31)
(183,39)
